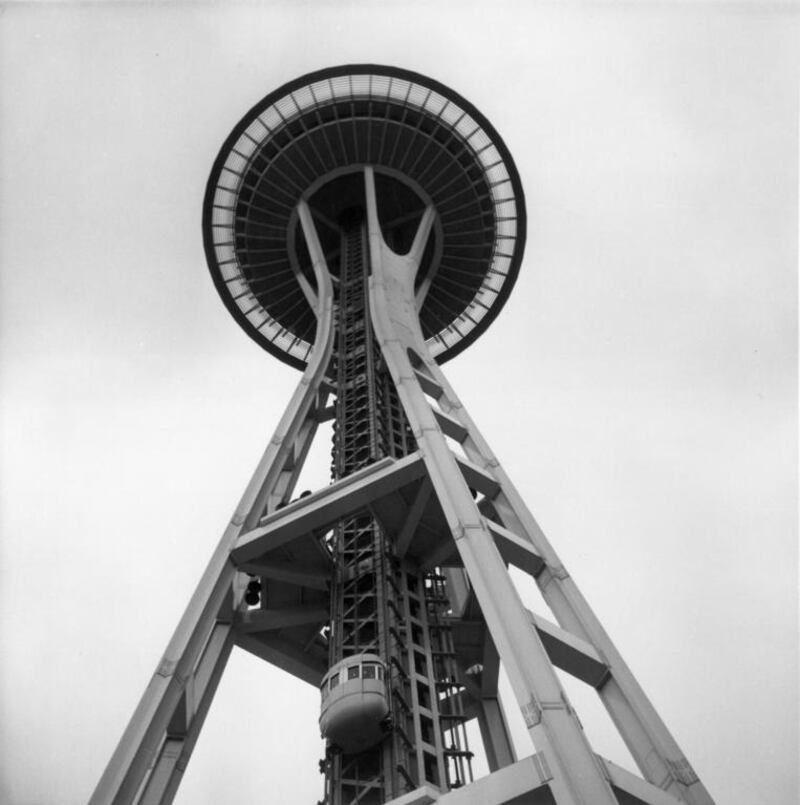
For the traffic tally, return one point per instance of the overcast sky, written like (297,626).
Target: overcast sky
(639,386)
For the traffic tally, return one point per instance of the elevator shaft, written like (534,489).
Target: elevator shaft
(381,605)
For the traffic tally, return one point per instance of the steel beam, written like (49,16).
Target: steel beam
(652,746)
(526,782)
(553,725)
(655,751)
(266,620)
(570,653)
(495,733)
(156,745)
(635,790)
(285,655)
(515,550)
(327,506)
(403,539)
(183,731)
(315,577)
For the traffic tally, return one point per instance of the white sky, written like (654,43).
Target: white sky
(639,387)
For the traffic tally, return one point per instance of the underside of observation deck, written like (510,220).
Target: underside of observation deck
(309,141)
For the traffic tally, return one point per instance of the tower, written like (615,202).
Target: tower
(365,224)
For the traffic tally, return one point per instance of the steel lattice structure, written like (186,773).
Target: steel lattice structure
(365,224)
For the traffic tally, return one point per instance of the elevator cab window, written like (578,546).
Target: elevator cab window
(354,715)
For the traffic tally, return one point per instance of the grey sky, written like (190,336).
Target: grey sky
(639,386)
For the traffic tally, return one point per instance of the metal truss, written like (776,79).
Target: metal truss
(446,507)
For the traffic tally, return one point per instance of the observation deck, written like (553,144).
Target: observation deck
(309,141)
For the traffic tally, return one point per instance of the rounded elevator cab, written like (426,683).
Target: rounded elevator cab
(355,703)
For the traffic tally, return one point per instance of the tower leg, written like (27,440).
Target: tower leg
(554,727)
(157,743)
(650,743)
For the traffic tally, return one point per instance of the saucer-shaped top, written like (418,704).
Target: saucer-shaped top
(309,140)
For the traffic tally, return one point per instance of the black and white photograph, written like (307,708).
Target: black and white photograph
(399,403)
